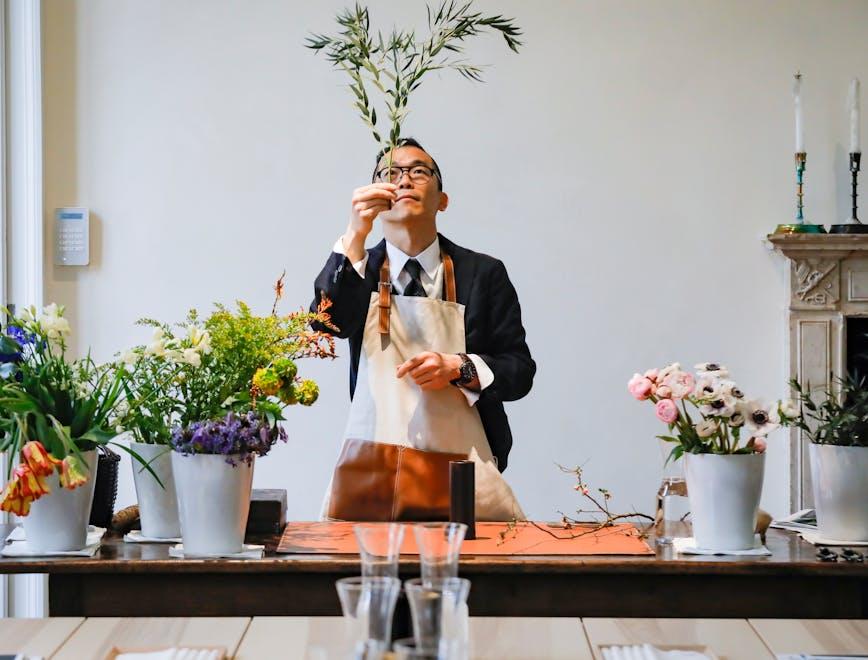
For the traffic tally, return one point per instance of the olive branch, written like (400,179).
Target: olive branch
(395,64)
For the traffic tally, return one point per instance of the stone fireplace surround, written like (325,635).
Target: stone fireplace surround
(828,282)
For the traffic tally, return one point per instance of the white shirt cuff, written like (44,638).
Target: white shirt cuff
(359,266)
(486,378)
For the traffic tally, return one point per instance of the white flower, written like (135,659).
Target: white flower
(789,409)
(706,387)
(737,419)
(53,324)
(204,344)
(762,419)
(675,367)
(157,348)
(123,408)
(191,356)
(712,368)
(729,388)
(174,355)
(129,357)
(720,406)
(159,334)
(28,314)
(706,428)
(119,429)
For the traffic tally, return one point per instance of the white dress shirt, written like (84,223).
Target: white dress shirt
(432,264)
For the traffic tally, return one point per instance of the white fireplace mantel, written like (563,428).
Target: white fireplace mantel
(828,282)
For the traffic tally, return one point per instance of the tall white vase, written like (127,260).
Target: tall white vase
(840,481)
(158,505)
(724,492)
(213,502)
(58,521)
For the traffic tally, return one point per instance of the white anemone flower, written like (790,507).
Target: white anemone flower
(739,417)
(706,387)
(712,368)
(762,419)
(706,428)
(730,388)
(719,406)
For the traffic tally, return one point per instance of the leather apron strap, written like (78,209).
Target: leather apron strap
(385,289)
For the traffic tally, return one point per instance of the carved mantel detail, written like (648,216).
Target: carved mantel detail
(815,283)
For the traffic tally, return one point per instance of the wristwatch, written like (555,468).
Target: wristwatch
(467,371)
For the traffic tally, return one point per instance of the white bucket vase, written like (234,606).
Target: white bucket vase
(840,480)
(724,492)
(158,505)
(57,522)
(213,502)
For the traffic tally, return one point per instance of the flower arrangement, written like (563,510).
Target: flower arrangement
(840,418)
(395,64)
(219,386)
(726,422)
(51,408)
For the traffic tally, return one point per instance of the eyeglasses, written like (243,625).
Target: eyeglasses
(417,173)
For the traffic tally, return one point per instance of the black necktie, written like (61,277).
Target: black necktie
(414,288)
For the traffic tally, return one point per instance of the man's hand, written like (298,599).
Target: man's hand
(431,371)
(368,202)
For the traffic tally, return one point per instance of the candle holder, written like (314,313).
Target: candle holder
(800,226)
(853,225)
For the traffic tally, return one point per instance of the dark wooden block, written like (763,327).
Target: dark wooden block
(267,511)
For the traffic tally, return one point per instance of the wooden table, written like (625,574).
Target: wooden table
(126,579)
(267,638)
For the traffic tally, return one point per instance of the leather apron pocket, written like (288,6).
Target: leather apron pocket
(375,481)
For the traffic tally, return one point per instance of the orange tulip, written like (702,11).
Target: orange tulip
(13,500)
(38,459)
(73,472)
(32,484)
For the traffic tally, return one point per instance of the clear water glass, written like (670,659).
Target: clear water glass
(379,547)
(368,605)
(439,548)
(407,649)
(673,508)
(438,607)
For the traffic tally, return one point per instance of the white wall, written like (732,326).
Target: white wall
(624,166)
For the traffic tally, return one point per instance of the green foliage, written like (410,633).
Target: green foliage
(835,418)
(395,64)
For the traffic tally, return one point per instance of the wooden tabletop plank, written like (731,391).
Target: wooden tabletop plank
(292,637)
(528,638)
(729,639)
(39,637)
(96,637)
(819,636)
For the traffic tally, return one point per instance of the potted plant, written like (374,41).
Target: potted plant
(223,408)
(151,405)
(54,413)
(723,444)
(836,423)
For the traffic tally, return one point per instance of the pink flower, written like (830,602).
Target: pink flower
(663,392)
(639,386)
(651,374)
(759,444)
(666,411)
(680,383)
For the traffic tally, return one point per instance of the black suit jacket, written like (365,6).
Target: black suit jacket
(492,326)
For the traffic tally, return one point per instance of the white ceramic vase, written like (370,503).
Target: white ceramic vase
(158,505)
(724,492)
(57,522)
(840,480)
(213,502)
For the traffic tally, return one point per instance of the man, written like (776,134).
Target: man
(436,345)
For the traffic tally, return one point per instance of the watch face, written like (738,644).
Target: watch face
(467,371)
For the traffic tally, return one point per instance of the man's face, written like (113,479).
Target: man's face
(414,201)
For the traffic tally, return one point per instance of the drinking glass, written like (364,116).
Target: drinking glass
(379,547)
(407,649)
(368,604)
(672,503)
(438,607)
(439,548)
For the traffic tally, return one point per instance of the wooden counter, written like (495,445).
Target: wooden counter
(126,579)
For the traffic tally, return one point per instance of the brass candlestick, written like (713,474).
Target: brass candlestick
(800,226)
(853,224)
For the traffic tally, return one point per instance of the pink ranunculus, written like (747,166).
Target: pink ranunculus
(666,411)
(639,386)
(651,374)
(680,383)
(663,392)
(759,444)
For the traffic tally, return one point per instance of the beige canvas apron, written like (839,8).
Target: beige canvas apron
(390,414)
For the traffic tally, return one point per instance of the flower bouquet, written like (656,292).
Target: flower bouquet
(54,413)
(723,442)
(215,393)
